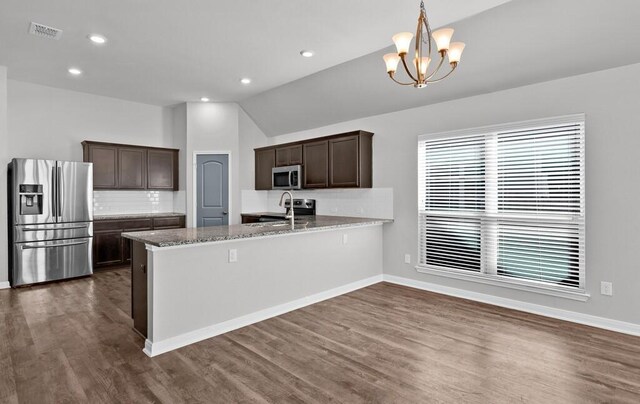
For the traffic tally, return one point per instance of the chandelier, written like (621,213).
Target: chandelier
(442,38)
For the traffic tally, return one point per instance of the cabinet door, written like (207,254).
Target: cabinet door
(344,162)
(288,156)
(129,226)
(316,164)
(162,169)
(107,247)
(139,287)
(295,155)
(132,168)
(282,156)
(265,160)
(105,166)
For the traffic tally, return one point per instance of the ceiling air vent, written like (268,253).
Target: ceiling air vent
(44,32)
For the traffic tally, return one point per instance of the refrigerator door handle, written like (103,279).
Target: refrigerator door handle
(59,189)
(31,247)
(83,226)
(54,198)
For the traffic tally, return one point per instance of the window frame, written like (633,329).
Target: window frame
(489,278)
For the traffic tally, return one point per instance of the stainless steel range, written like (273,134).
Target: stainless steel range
(50,220)
(301,208)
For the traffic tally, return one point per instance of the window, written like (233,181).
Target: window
(505,204)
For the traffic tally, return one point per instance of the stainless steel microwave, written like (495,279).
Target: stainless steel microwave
(289,177)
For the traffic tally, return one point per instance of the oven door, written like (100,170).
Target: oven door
(43,261)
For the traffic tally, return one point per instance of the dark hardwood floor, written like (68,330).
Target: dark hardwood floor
(73,342)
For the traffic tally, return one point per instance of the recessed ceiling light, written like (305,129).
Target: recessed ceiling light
(245,80)
(97,39)
(74,71)
(306,53)
(204,99)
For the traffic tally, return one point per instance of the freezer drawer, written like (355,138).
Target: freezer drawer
(52,231)
(43,261)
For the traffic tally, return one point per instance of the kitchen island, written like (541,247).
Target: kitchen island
(192,284)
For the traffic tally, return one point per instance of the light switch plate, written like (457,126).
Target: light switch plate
(345,239)
(407,258)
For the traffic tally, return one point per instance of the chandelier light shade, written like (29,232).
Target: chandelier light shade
(419,70)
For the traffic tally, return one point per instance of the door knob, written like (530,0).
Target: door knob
(224,212)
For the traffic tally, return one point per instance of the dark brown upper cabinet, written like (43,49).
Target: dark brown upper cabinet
(337,161)
(288,156)
(132,168)
(316,164)
(265,160)
(120,166)
(162,169)
(105,165)
(350,162)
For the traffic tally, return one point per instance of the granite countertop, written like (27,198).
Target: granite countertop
(197,235)
(136,216)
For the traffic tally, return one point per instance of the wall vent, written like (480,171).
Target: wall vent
(44,31)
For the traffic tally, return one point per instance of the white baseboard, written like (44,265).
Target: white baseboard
(160,347)
(580,318)
(5,285)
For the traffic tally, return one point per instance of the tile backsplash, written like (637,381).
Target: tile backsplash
(370,202)
(123,202)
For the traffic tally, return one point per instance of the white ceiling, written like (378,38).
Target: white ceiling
(169,51)
(518,43)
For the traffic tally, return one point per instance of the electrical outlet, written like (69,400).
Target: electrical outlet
(233,255)
(606,288)
(345,239)
(407,258)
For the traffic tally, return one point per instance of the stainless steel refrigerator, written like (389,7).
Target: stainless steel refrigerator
(51,220)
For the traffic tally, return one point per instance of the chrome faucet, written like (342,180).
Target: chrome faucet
(289,213)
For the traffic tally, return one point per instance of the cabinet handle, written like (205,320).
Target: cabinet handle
(144,268)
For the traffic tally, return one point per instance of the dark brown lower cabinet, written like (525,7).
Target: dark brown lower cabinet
(110,249)
(139,287)
(247,218)
(126,243)
(107,248)
(164,223)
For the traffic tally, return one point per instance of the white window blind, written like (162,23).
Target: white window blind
(506,203)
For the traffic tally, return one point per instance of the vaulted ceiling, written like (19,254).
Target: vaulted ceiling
(518,43)
(165,52)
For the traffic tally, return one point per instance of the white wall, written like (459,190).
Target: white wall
(4,160)
(610,100)
(49,123)
(213,127)
(250,137)
(179,141)
(257,286)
